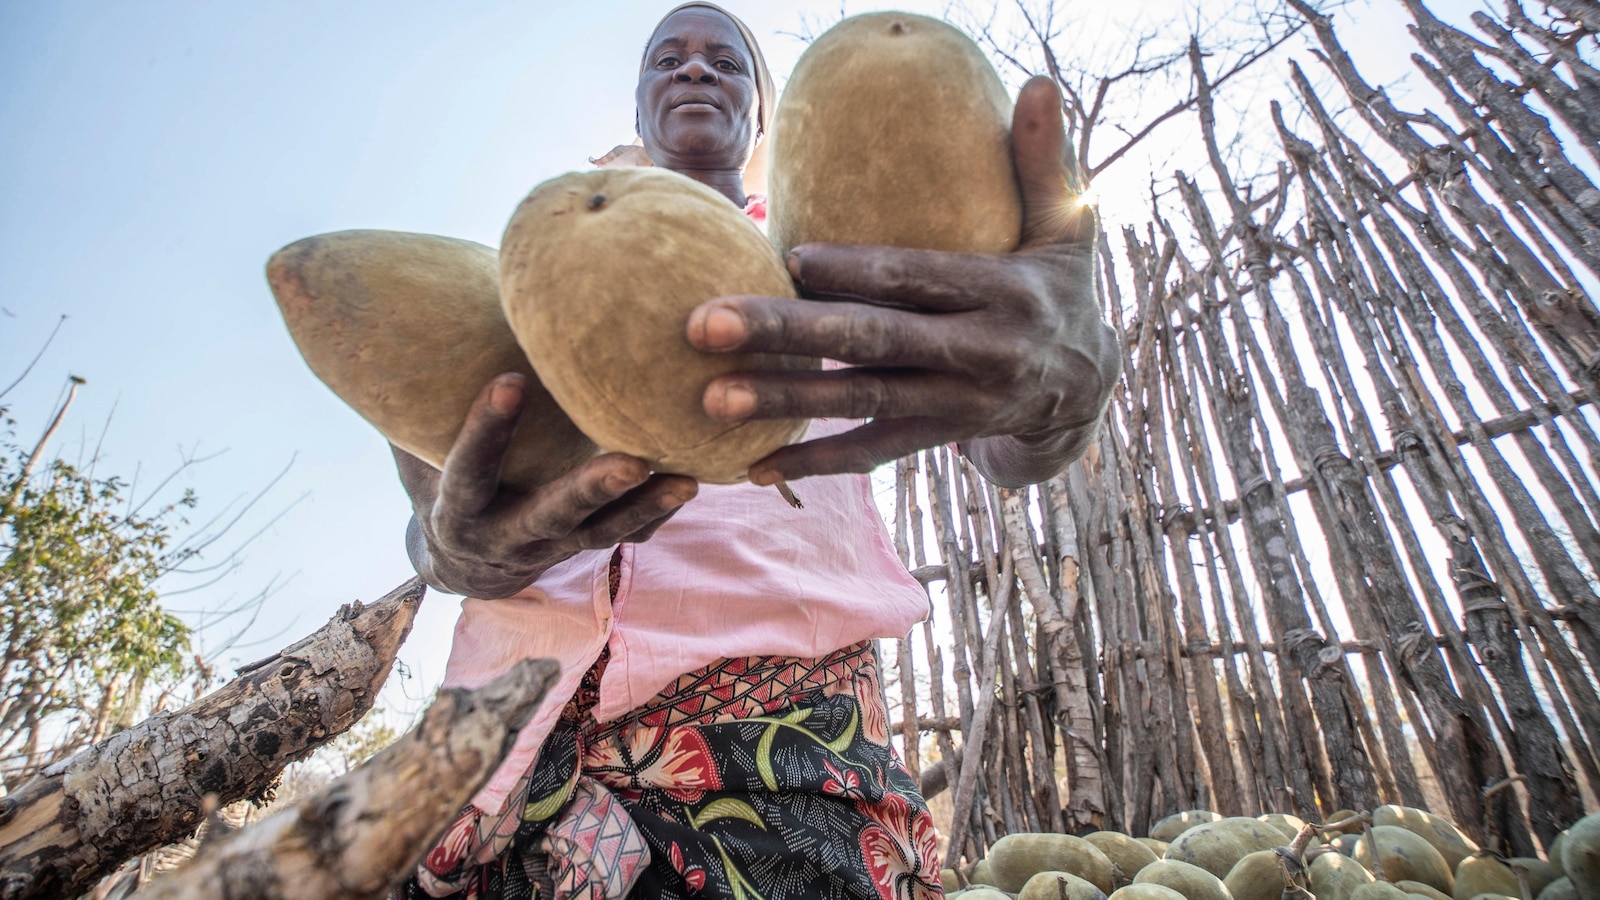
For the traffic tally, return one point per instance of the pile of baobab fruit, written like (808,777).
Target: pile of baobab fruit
(1199,855)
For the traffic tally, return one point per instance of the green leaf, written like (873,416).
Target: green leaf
(726,808)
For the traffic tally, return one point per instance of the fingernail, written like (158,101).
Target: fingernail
(617,482)
(504,397)
(793,263)
(735,401)
(764,477)
(720,328)
(673,501)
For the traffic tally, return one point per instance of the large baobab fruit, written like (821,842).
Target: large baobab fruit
(407,329)
(599,271)
(894,129)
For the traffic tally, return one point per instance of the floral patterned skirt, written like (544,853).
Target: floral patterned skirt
(761,777)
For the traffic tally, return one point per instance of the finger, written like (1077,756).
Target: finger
(420,479)
(849,332)
(859,450)
(645,508)
(859,393)
(470,479)
(560,507)
(928,280)
(1052,210)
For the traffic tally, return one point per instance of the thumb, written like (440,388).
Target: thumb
(1052,210)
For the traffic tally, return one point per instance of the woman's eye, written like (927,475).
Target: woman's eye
(727,65)
(669,61)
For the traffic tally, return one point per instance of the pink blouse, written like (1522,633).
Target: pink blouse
(737,572)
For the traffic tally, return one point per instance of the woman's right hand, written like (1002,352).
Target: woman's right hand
(471,535)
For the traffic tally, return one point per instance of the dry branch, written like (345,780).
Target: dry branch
(144,787)
(359,836)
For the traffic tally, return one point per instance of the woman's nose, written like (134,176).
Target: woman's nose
(696,71)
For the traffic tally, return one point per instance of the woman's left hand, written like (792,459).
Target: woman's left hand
(1007,354)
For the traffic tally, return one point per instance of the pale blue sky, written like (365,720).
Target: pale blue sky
(155,153)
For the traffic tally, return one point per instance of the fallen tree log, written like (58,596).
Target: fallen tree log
(139,789)
(361,835)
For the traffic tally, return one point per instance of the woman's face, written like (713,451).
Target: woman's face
(697,93)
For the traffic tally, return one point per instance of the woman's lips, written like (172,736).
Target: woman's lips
(696,102)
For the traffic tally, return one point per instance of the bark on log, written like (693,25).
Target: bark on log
(139,789)
(361,835)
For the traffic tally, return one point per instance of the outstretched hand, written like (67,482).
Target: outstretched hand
(1005,353)
(473,535)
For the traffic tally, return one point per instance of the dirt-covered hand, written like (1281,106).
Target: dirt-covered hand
(472,535)
(944,346)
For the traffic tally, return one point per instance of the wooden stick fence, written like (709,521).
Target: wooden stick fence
(1338,542)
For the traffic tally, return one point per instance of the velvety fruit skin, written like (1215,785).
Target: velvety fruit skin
(1191,881)
(1540,872)
(1218,846)
(1379,890)
(407,329)
(1290,826)
(1016,858)
(1145,892)
(598,273)
(1258,876)
(1333,876)
(1483,875)
(1406,856)
(894,129)
(1159,848)
(1125,853)
(1168,828)
(1450,842)
(1560,889)
(1580,856)
(1418,889)
(981,873)
(1059,886)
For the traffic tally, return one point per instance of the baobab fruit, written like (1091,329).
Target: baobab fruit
(894,129)
(1059,886)
(1218,846)
(1580,856)
(1289,825)
(1169,828)
(1127,855)
(1260,876)
(598,273)
(1540,873)
(1418,889)
(980,893)
(1379,890)
(1560,889)
(1335,877)
(1405,855)
(1484,875)
(1016,858)
(1145,892)
(1555,850)
(980,873)
(1189,880)
(407,330)
(1159,848)
(1450,842)
(1346,843)
(1343,815)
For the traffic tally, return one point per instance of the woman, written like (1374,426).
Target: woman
(718,729)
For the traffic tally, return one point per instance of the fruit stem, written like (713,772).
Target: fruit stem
(789,494)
